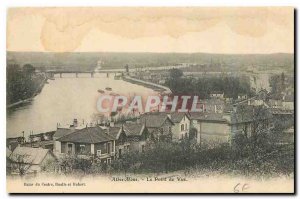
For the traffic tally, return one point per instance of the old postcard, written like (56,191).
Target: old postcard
(150,100)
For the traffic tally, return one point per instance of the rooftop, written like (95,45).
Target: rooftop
(87,135)
(29,155)
(60,132)
(154,119)
(134,129)
(177,117)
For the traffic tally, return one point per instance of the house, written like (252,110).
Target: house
(14,142)
(250,119)
(43,140)
(288,102)
(281,101)
(288,136)
(282,118)
(93,141)
(217,94)
(8,162)
(30,160)
(181,127)
(242,96)
(213,105)
(211,128)
(60,132)
(137,135)
(42,136)
(158,124)
(216,128)
(121,142)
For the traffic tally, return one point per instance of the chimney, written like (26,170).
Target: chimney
(75,123)
(111,124)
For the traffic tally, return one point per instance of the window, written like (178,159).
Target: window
(120,152)
(170,129)
(143,148)
(98,152)
(182,136)
(108,160)
(161,130)
(186,127)
(108,147)
(70,148)
(82,148)
(182,127)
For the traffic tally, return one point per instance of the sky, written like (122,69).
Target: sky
(151,29)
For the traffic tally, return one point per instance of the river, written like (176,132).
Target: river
(64,99)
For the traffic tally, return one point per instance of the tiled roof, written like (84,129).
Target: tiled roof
(87,135)
(29,155)
(279,111)
(133,129)
(177,117)
(60,132)
(208,116)
(154,119)
(114,132)
(8,152)
(249,113)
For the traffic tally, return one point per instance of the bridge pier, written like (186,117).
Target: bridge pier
(107,75)
(92,74)
(60,75)
(76,75)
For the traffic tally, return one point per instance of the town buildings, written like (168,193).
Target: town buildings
(93,141)
(181,127)
(159,125)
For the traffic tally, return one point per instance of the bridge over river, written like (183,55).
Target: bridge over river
(51,73)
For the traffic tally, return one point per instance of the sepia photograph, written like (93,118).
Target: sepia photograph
(150,100)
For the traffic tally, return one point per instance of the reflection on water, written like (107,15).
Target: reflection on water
(64,99)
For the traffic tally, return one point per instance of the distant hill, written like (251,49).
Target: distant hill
(88,60)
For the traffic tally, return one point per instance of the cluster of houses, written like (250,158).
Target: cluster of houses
(219,120)
(217,123)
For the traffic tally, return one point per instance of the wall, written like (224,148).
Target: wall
(176,129)
(103,147)
(212,131)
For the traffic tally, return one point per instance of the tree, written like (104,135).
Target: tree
(20,163)
(176,73)
(84,163)
(28,69)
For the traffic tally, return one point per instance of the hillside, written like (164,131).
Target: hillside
(88,60)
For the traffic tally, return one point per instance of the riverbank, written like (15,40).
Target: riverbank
(38,90)
(146,84)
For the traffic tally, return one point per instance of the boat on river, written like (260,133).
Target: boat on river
(108,89)
(114,94)
(101,91)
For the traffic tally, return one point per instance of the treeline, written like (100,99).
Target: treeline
(204,86)
(88,60)
(21,82)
